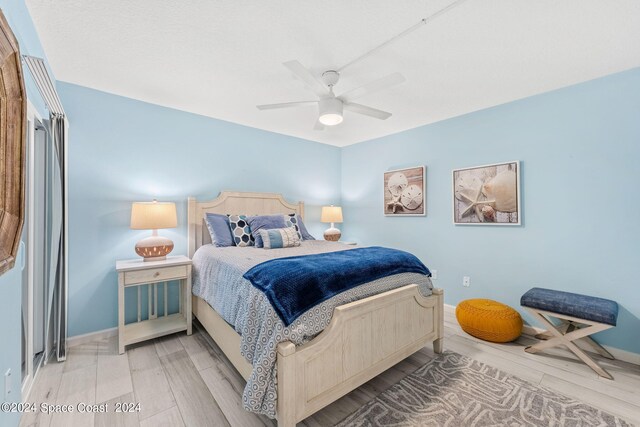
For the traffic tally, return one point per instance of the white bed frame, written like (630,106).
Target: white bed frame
(364,338)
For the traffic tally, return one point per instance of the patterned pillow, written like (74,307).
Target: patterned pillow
(291,220)
(294,220)
(276,238)
(240,230)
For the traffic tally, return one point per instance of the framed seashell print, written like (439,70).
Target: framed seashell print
(404,192)
(487,195)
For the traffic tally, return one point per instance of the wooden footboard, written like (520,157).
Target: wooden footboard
(364,338)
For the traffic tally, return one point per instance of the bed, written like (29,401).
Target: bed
(362,339)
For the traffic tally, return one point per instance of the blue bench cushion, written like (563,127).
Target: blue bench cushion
(581,306)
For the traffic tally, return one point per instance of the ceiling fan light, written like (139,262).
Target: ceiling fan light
(330,119)
(330,111)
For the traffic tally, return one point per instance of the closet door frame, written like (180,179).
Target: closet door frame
(32,118)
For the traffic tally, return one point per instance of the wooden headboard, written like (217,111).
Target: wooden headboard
(234,203)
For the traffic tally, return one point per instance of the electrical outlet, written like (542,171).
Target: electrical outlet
(7,384)
(466,281)
(434,274)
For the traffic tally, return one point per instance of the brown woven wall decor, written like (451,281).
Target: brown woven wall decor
(13,107)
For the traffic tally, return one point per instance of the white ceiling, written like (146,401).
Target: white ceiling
(221,58)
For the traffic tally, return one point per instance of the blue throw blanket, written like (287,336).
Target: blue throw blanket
(293,285)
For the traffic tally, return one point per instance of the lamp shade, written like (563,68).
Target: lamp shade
(331,214)
(153,215)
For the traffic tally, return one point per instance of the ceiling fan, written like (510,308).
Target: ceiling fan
(330,106)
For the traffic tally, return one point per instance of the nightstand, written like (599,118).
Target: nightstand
(137,272)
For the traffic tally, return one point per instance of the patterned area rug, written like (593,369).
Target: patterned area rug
(453,390)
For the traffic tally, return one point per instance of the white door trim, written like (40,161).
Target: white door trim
(32,117)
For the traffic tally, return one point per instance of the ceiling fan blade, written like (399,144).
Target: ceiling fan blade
(318,126)
(285,105)
(374,86)
(314,84)
(367,111)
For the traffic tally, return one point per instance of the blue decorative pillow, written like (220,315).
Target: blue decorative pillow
(219,229)
(276,238)
(294,220)
(264,222)
(240,230)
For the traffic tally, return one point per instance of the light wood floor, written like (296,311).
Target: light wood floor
(186,380)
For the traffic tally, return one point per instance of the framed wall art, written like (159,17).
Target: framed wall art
(404,192)
(487,195)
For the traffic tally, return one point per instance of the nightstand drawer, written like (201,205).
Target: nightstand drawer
(155,275)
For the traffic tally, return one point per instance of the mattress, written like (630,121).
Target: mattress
(217,278)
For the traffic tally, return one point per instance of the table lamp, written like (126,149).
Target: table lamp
(331,214)
(152,216)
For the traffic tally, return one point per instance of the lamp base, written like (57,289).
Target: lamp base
(332,234)
(154,248)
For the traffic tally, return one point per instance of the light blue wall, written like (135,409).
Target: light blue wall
(10,302)
(122,150)
(11,282)
(579,149)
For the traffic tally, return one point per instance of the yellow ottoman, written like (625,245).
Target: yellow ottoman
(489,320)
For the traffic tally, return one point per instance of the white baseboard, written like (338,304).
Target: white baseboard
(92,336)
(450,309)
(619,354)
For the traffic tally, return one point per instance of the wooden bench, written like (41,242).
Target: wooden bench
(580,316)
